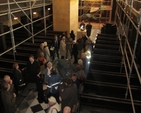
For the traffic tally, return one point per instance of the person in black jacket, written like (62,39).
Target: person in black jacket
(18,78)
(33,74)
(56,46)
(75,52)
(72,35)
(88,29)
(33,69)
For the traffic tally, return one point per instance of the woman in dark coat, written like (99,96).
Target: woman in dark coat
(18,78)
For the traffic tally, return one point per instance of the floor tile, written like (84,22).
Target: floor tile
(36,108)
(29,110)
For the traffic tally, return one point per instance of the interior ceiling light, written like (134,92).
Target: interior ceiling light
(15,18)
(34,13)
(48,9)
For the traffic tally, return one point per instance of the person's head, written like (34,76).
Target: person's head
(72,31)
(7,78)
(51,100)
(31,58)
(63,38)
(67,109)
(53,70)
(41,54)
(5,86)
(80,62)
(55,37)
(74,77)
(42,46)
(82,21)
(49,65)
(45,43)
(86,47)
(68,81)
(15,65)
(83,55)
(74,42)
(68,35)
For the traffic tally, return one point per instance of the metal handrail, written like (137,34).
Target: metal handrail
(130,50)
(126,72)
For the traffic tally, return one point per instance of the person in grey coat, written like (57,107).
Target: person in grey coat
(8,98)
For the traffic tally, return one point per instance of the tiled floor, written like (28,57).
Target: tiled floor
(30,103)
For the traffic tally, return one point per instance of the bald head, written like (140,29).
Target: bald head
(67,109)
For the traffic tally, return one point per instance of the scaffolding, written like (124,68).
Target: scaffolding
(128,18)
(12,8)
(95,10)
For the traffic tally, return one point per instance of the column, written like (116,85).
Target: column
(65,15)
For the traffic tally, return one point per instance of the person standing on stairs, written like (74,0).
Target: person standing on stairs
(68,46)
(56,45)
(41,49)
(18,81)
(88,29)
(63,47)
(47,52)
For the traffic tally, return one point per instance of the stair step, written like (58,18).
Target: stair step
(104,51)
(104,46)
(106,58)
(111,77)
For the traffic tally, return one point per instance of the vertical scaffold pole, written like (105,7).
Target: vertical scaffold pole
(44,11)
(134,50)
(11,30)
(30,3)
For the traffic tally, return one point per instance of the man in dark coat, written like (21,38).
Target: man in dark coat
(33,69)
(68,94)
(56,45)
(75,52)
(88,29)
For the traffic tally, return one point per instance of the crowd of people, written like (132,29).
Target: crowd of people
(61,94)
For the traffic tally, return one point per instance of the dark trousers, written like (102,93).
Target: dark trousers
(55,52)
(40,90)
(75,58)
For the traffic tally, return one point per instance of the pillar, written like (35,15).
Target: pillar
(65,15)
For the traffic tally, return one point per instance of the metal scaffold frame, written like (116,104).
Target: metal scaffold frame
(10,12)
(86,5)
(123,31)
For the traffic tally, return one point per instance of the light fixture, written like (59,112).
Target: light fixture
(48,9)
(15,18)
(34,13)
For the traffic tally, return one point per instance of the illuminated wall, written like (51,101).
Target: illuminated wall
(65,15)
